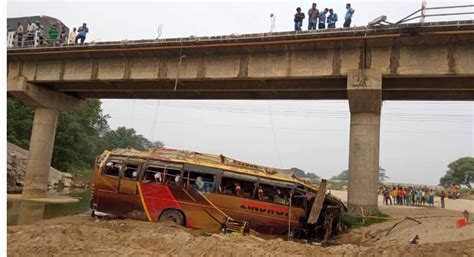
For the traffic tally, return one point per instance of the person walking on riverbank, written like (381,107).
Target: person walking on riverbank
(442,196)
(395,195)
(386,195)
(431,195)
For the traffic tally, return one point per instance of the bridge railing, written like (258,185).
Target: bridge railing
(37,40)
(32,40)
(424,10)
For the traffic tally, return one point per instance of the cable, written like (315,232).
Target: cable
(155,120)
(274,135)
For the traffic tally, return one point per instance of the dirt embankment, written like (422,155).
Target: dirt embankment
(81,235)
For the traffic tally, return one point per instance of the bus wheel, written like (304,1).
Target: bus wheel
(174,216)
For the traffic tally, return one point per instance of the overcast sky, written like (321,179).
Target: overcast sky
(418,139)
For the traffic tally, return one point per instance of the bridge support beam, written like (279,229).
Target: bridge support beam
(364,89)
(48,106)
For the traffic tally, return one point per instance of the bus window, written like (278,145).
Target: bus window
(266,193)
(240,188)
(272,194)
(172,176)
(281,196)
(202,182)
(297,200)
(112,168)
(131,171)
(154,174)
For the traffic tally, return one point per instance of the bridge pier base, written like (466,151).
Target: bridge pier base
(364,89)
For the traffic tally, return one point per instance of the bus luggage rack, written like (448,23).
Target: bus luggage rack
(230,226)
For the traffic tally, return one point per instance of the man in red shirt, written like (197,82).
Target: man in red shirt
(442,196)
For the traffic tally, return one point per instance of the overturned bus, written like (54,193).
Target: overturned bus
(212,193)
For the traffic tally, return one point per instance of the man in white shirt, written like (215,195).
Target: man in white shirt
(71,37)
(30,34)
(19,34)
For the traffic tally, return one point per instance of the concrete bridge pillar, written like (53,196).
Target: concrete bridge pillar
(48,105)
(364,89)
(40,152)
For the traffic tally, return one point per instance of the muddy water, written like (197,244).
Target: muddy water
(53,210)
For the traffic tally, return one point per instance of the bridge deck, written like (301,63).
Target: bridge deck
(430,61)
(408,29)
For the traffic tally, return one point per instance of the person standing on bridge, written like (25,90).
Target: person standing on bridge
(348,16)
(30,34)
(299,17)
(83,30)
(332,19)
(53,35)
(322,19)
(313,14)
(19,34)
(71,38)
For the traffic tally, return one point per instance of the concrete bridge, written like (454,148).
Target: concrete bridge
(432,61)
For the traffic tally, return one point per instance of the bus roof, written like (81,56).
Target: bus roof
(213,161)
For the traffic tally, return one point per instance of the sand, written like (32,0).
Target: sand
(81,235)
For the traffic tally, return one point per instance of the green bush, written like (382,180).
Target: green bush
(355,220)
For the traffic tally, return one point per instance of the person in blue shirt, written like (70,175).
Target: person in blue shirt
(81,33)
(332,18)
(322,19)
(348,17)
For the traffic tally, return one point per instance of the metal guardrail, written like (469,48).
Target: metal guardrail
(32,40)
(423,14)
(259,36)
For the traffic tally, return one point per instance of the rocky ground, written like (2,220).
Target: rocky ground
(16,168)
(81,235)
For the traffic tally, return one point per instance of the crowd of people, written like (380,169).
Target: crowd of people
(54,37)
(321,18)
(399,195)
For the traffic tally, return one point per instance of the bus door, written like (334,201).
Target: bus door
(128,201)
(107,184)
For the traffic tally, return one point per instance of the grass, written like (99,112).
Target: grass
(337,185)
(356,221)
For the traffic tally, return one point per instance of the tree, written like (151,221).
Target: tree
(80,135)
(344,175)
(382,174)
(460,172)
(19,123)
(77,135)
(124,137)
(302,174)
